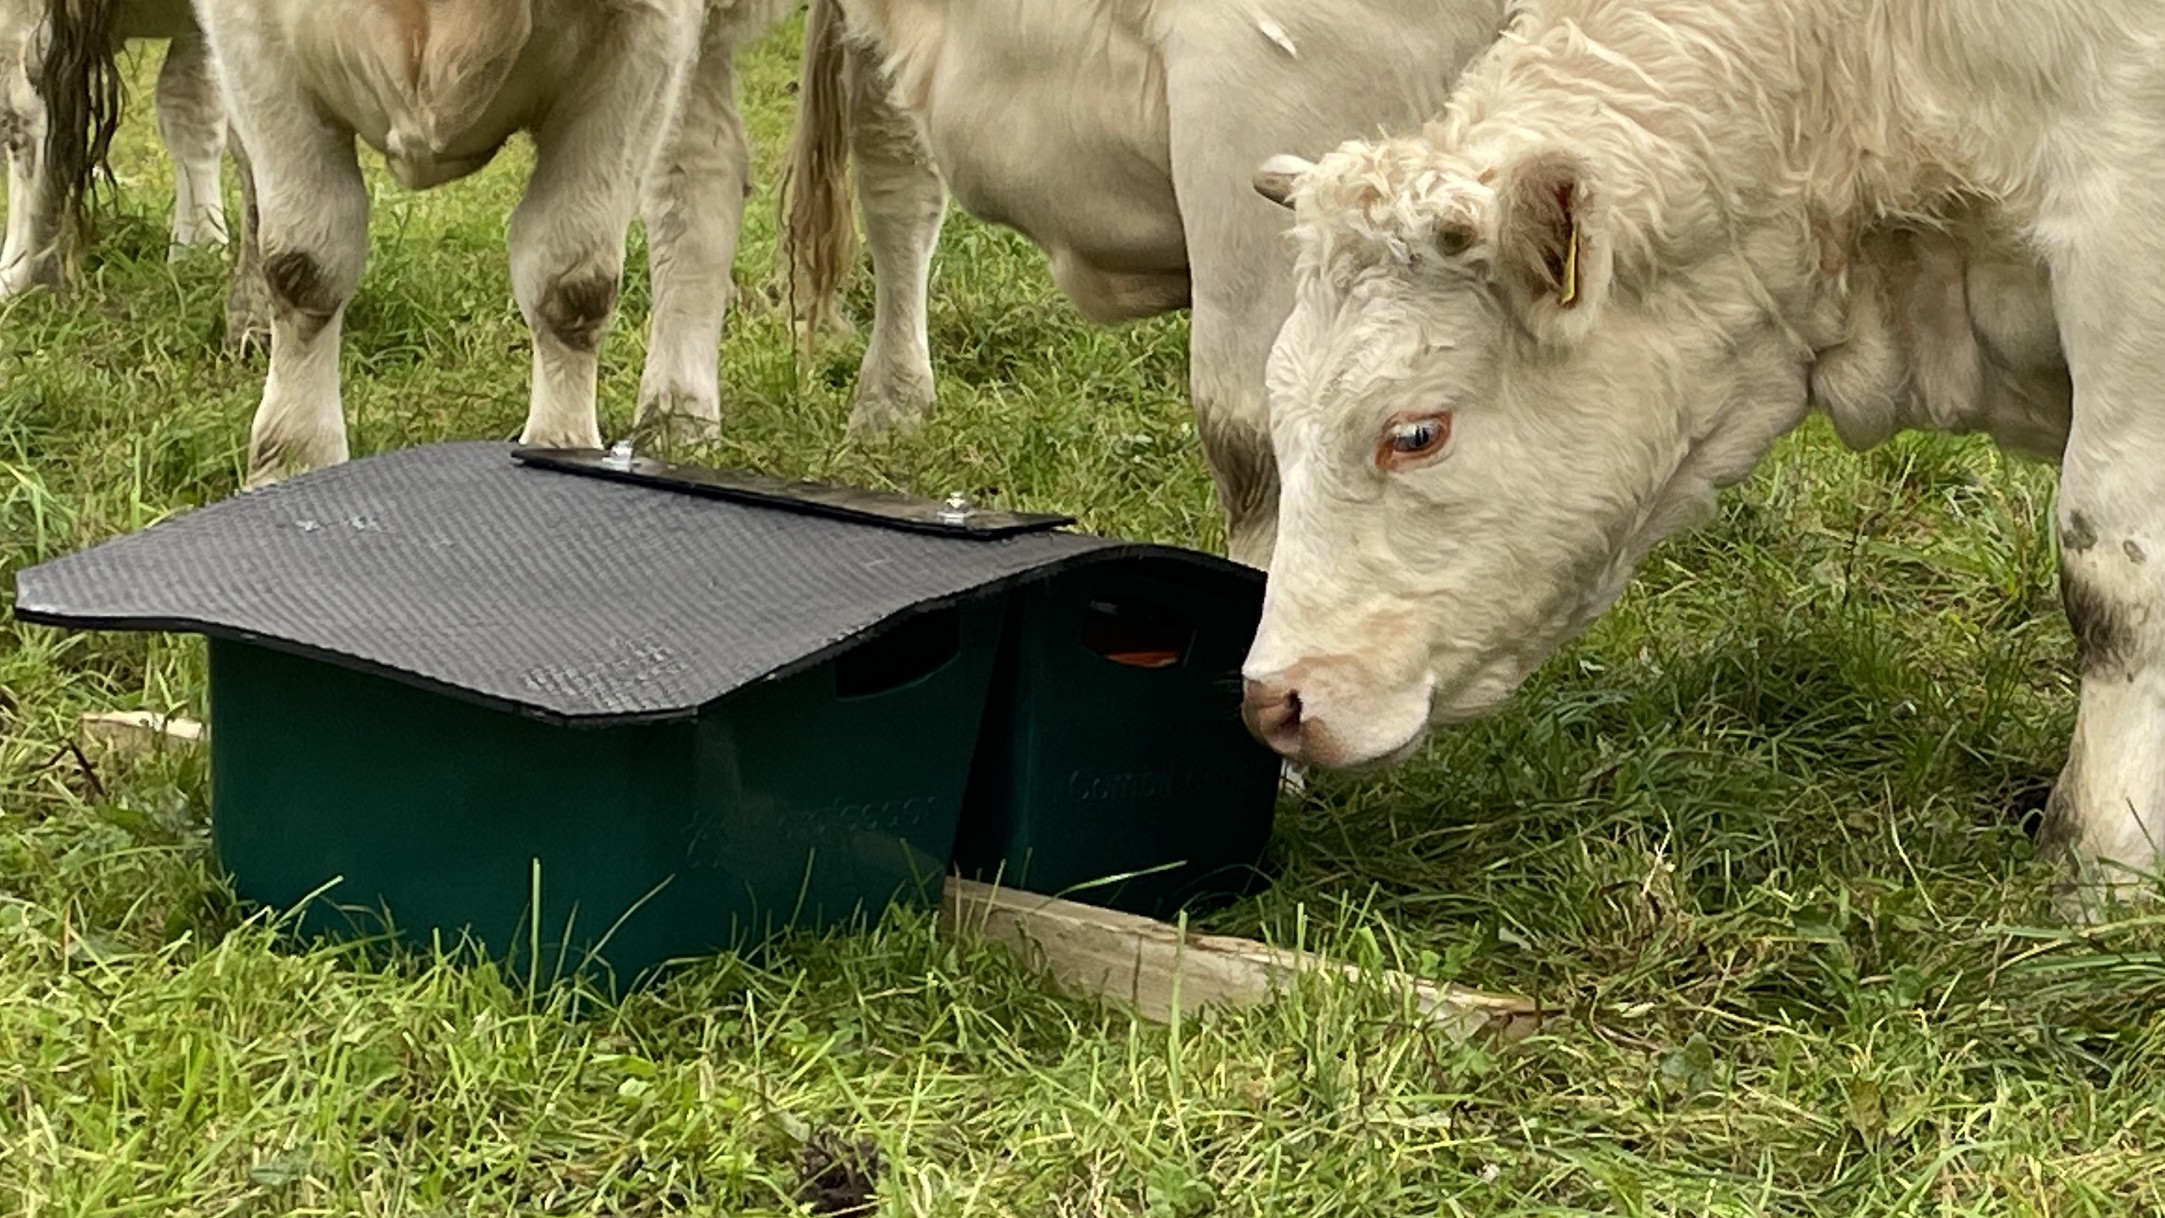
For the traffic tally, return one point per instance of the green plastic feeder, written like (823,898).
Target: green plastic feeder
(636,843)
(589,713)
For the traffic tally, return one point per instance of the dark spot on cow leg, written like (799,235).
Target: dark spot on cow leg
(2079,535)
(2104,639)
(2134,551)
(576,310)
(298,291)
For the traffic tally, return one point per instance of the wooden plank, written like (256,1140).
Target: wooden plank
(1147,965)
(135,733)
(1151,967)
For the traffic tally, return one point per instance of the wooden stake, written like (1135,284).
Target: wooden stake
(137,732)
(1152,968)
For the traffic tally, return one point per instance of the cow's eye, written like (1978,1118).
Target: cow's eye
(1410,438)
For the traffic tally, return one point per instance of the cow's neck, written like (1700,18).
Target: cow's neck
(1782,142)
(1711,120)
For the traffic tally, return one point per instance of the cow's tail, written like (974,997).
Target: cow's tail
(818,226)
(78,78)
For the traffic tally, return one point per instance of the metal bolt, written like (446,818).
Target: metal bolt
(957,509)
(619,455)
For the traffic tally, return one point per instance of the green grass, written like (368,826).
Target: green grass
(1758,838)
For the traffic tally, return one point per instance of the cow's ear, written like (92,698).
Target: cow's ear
(1277,177)
(1552,260)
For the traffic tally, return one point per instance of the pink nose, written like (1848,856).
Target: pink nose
(1273,712)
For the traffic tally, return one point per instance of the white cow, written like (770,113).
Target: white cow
(1120,136)
(191,119)
(632,108)
(1643,239)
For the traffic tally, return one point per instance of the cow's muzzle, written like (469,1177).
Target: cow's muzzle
(1272,710)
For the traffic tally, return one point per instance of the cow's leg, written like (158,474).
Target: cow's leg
(1239,297)
(314,240)
(29,255)
(2108,808)
(191,120)
(1240,287)
(694,208)
(248,298)
(1232,420)
(591,159)
(311,233)
(904,203)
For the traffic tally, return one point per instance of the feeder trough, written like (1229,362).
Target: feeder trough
(587,711)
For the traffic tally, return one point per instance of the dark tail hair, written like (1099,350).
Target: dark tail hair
(79,81)
(819,228)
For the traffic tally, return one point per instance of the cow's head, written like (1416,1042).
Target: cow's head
(1482,420)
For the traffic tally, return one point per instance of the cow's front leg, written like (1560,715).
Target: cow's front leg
(191,121)
(314,241)
(591,161)
(2107,811)
(904,204)
(693,209)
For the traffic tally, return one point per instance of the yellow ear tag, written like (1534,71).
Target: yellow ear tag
(1571,268)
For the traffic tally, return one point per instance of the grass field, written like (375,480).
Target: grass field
(1759,837)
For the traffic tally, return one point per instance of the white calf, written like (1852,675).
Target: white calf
(632,109)
(1120,136)
(1643,239)
(191,118)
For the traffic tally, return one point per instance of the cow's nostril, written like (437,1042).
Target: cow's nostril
(1273,712)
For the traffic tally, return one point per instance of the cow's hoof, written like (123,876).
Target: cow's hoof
(677,418)
(29,275)
(561,436)
(888,406)
(2094,893)
(270,471)
(872,421)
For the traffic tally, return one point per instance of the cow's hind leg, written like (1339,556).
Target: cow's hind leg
(693,209)
(904,204)
(29,255)
(191,120)
(591,161)
(2107,811)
